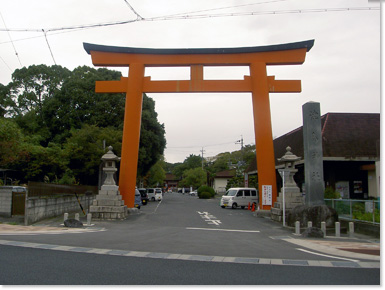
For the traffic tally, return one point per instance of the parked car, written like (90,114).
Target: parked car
(138,199)
(194,193)
(158,196)
(152,191)
(143,193)
(239,196)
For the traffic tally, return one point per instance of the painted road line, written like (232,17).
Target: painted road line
(205,258)
(223,230)
(327,256)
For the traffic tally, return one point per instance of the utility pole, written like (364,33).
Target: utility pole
(240,142)
(202,156)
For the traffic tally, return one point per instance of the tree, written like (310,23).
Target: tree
(193,177)
(84,149)
(60,116)
(10,143)
(152,137)
(191,162)
(156,175)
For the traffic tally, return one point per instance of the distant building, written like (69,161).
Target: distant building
(221,179)
(351,154)
(171,182)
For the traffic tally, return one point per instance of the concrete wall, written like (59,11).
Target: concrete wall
(219,185)
(6,201)
(39,208)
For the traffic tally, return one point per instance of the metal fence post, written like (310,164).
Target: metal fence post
(374,211)
(351,210)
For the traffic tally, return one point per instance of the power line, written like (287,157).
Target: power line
(9,35)
(49,47)
(198,16)
(228,7)
(133,10)
(6,64)
(257,13)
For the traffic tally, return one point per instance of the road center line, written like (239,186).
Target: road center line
(223,230)
(328,256)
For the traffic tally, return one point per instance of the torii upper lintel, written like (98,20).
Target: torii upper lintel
(258,83)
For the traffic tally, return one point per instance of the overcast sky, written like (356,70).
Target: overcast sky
(341,71)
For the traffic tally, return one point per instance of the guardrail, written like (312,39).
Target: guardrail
(354,209)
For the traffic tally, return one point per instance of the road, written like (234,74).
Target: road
(180,237)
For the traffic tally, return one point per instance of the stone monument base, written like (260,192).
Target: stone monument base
(293,198)
(314,213)
(108,204)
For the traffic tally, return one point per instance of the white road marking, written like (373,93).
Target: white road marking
(328,256)
(223,230)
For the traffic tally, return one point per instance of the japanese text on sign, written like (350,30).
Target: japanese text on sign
(267,192)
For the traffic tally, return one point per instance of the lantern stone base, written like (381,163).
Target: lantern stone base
(108,204)
(293,198)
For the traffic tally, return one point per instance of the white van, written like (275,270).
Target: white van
(152,191)
(240,196)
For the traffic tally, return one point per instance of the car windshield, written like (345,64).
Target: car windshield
(231,192)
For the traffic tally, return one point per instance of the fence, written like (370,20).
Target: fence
(49,189)
(360,210)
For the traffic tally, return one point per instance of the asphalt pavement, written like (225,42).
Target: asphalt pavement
(183,227)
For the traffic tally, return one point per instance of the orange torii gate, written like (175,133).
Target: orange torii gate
(258,83)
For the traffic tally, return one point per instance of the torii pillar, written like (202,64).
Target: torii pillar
(258,83)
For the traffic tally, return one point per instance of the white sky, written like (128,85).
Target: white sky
(341,71)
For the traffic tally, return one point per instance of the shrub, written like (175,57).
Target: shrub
(205,195)
(205,188)
(331,193)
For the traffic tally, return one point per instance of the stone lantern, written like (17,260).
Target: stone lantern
(288,159)
(108,204)
(109,168)
(290,195)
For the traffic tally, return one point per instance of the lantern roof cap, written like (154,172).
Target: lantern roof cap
(110,156)
(289,156)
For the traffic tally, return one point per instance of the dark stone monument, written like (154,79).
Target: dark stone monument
(313,213)
(313,233)
(73,223)
(312,143)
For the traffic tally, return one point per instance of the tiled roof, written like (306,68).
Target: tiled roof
(225,174)
(171,177)
(344,135)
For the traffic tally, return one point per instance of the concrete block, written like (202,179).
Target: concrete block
(338,229)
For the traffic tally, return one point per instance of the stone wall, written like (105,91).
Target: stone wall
(39,208)
(6,201)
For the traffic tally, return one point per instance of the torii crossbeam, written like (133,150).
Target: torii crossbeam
(258,83)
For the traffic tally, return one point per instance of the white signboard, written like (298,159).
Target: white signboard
(267,193)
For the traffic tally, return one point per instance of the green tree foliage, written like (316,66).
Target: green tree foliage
(156,175)
(152,137)
(84,149)
(239,181)
(10,142)
(191,162)
(193,177)
(57,124)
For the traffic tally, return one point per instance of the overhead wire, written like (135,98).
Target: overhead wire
(9,35)
(133,10)
(199,16)
(49,47)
